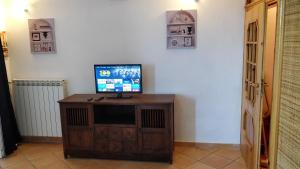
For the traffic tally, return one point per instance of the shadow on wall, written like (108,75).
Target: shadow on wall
(148,78)
(185,119)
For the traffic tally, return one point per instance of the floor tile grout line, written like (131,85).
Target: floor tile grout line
(63,161)
(187,157)
(236,160)
(34,165)
(233,161)
(229,158)
(199,160)
(228,164)
(28,160)
(209,154)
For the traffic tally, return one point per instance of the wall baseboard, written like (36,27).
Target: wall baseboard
(59,140)
(205,145)
(41,139)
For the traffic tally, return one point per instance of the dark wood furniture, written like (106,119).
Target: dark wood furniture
(139,128)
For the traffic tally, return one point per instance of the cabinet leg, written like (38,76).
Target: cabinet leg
(65,155)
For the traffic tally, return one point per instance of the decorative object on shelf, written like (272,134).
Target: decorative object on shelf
(42,36)
(4,43)
(181,29)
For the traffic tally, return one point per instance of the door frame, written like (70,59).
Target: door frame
(273,145)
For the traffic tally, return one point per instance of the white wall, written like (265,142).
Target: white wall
(206,80)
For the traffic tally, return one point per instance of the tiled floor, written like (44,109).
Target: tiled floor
(50,156)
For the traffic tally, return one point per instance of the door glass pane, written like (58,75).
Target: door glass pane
(251,60)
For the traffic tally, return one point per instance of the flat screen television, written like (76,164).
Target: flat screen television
(121,78)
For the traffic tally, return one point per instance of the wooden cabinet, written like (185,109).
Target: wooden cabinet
(140,128)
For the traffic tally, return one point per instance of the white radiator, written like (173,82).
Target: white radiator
(36,107)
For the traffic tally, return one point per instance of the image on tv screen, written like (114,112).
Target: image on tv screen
(118,78)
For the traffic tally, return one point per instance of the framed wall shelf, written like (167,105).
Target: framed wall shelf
(42,36)
(181,29)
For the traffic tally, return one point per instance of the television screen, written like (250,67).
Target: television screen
(118,78)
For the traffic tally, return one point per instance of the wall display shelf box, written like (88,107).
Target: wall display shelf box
(42,37)
(140,128)
(181,29)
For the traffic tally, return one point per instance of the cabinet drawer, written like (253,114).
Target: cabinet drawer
(115,133)
(101,145)
(130,147)
(101,132)
(129,134)
(115,147)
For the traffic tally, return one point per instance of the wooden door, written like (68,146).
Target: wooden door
(252,84)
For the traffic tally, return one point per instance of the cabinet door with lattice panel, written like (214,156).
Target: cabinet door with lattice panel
(154,131)
(252,75)
(77,123)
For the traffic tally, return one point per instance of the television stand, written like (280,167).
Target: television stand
(119,96)
(140,128)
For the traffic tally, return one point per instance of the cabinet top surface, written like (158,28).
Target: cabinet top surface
(136,99)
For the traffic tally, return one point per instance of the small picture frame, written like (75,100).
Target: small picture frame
(36,37)
(188,41)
